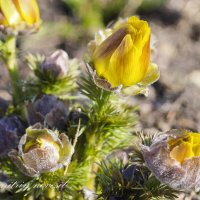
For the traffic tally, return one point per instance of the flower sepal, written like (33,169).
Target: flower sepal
(22,29)
(101,82)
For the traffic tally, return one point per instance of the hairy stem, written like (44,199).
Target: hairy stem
(90,157)
(11,63)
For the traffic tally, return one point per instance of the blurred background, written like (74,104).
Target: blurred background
(174,101)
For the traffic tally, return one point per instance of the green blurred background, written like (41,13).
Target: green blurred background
(70,24)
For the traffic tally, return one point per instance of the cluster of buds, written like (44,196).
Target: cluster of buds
(19,16)
(120,57)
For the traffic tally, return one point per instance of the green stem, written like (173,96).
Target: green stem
(90,157)
(11,63)
(93,146)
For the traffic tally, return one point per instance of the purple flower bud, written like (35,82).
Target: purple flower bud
(48,110)
(11,129)
(56,65)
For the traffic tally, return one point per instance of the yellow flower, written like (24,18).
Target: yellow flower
(121,55)
(123,58)
(19,14)
(174,158)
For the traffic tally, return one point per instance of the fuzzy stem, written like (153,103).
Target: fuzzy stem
(11,63)
(93,147)
(90,151)
(93,143)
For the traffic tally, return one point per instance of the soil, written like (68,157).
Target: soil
(174,100)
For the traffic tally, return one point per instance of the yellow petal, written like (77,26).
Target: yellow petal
(126,66)
(145,57)
(196,149)
(152,74)
(122,66)
(182,151)
(141,40)
(109,45)
(10,12)
(101,65)
(136,22)
(29,10)
(141,26)
(196,138)
(104,51)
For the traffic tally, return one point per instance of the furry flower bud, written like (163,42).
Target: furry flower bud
(11,129)
(174,158)
(48,109)
(18,15)
(42,150)
(122,58)
(56,65)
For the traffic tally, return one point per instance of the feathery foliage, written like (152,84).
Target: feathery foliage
(132,180)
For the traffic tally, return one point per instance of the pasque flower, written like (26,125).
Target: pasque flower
(122,55)
(42,150)
(174,158)
(18,15)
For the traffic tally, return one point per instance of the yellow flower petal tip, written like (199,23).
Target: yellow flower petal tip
(121,55)
(19,16)
(174,158)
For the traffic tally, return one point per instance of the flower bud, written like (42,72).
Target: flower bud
(56,65)
(19,15)
(123,58)
(48,109)
(11,129)
(42,150)
(174,158)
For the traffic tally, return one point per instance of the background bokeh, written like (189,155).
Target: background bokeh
(174,101)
